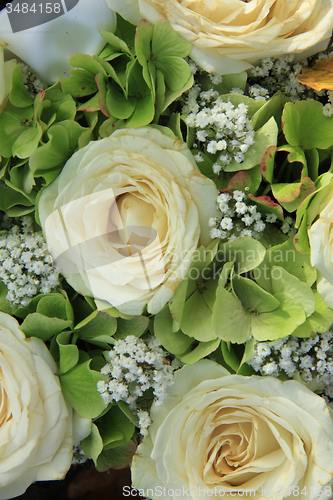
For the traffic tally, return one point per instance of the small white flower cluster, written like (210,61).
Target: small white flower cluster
(221,127)
(273,74)
(32,83)
(78,455)
(288,227)
(25,262)
(328,108)
(277,74)
(135,367)
(312,358)
(239,219)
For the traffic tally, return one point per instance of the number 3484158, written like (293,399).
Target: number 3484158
(24,8)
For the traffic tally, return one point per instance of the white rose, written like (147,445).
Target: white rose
(36,427)
(229,36)
(321,251)
(124,217)
(46,47)
(217,434)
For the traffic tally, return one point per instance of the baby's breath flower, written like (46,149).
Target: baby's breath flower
(239,218)
(220,126)
(135,367)
(312,358)
(274,74)
(25,263)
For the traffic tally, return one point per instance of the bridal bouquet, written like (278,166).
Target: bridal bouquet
(166,246)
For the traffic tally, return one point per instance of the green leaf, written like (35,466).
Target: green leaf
(296,154)
(92,445)
(229,356)
(79,386)
(286,256)
(27,142)
(322,318)
(176,71)
(226,274)
(272,108)
(231,322)
(87,63)
(160,89)
(301,240)
(115,42)
(312,158)
(80,84)
(201,351)
(291,195)
(267,164)
(128,412)
(246,252)
(167,42)
(62,105)
(118,105)
(115,428)
(63,139)
(98,323)
(304,124)
(10,130)
(282,281)
(143,37)
(264,137)
(171,96)
(68,353)
(53,306)
(43,327)
(248,352)
(21,180)
(143,113)
(242,181)
(253,298)
(91,105)
(281,322)
(18,95)
(267,205)
(197,318)
(175,342)
(116,458)
(174,125)
(177,302)
(125,30)
(236,80)
(237,99)
(101,84)
(135,326)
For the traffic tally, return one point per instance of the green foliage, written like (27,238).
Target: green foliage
(37,137)
(79,386)
(137,75)
(264,137)
(110,444)
(240,291)
(305,125)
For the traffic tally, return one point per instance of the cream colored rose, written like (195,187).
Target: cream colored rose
(229,36)
(218,434)
(124,217)
(321,251)
(36,427)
